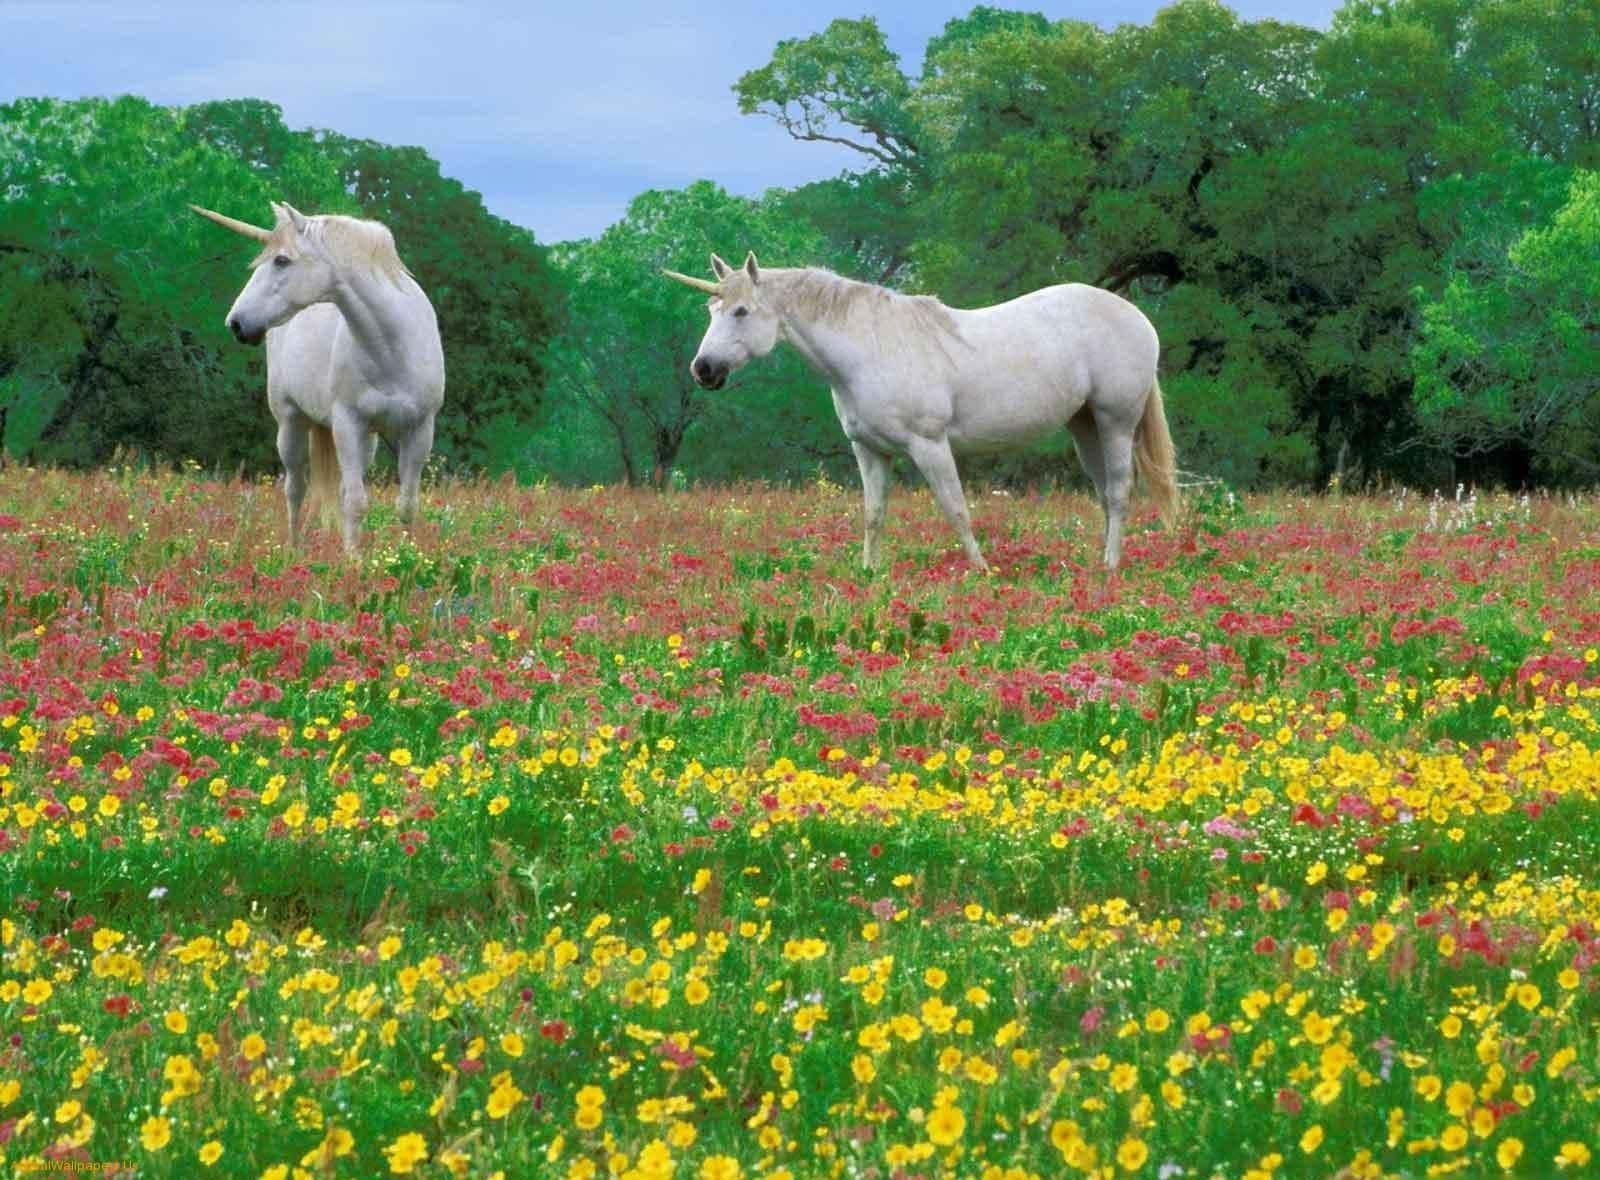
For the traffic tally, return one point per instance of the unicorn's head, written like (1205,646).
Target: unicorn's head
(743,324)
(291,273)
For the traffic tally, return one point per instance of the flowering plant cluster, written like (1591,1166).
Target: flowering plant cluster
(595,833)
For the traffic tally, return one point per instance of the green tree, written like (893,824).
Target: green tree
(869,220)
(1538,67)
(622,366)
(1506,362)
(842,86)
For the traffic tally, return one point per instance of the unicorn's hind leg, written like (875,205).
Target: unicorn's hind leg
(1086,441)
(938,467)
(294,451)
(1116,451)
(411,455)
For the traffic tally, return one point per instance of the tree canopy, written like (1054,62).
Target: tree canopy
(621,369)
(1506,362)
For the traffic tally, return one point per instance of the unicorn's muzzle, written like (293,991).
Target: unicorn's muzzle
(242,334)
(709,374)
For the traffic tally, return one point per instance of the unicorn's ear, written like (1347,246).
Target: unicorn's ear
(750,267)
(295,216)
(718,267)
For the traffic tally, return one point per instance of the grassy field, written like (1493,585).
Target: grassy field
(596,833)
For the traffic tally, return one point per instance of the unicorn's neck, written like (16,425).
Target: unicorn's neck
(827,346)
(382,315)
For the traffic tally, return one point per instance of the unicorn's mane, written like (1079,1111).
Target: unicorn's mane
(349,242)
(849,304)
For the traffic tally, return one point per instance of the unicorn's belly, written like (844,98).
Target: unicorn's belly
(995,423)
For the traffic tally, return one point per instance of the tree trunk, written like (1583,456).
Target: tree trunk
(669,441)
(630,469)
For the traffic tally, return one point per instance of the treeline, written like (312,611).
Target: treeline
(1370,252)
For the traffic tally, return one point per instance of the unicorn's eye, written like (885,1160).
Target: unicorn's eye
(740,312)
(281,261)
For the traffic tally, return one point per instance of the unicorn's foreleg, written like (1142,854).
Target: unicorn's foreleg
(294,452)
(412,454)
(350,441)
(874,492)
(938,466)
(1116,448)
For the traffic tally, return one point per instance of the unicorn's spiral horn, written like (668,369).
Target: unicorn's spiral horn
(238,227)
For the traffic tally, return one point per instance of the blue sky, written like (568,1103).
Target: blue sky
(557,113)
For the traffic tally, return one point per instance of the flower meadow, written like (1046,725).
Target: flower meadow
(599,833)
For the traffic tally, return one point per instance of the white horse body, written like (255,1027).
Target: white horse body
(912,377)
(353,354)
(1047,350)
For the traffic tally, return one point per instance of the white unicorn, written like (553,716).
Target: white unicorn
(353,354)
(913,377)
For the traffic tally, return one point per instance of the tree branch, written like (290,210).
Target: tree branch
(882,155)
(1161,263)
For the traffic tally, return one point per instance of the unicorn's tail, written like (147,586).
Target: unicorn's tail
(325,473)
(1155,457)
